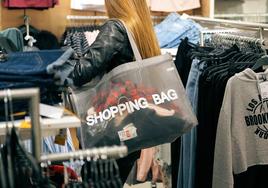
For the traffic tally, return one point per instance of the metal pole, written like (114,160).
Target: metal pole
(32,95)
(229,22)
(110,152)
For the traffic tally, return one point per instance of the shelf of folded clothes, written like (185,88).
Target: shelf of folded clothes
(49,126)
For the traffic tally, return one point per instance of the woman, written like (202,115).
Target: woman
(112,48)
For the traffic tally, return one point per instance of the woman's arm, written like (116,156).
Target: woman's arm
(109,42)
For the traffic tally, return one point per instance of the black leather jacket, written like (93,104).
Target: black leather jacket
(111,48)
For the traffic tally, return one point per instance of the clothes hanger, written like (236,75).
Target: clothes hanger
(260,63)
(31,40)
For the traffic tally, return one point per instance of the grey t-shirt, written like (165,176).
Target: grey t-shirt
(242,134)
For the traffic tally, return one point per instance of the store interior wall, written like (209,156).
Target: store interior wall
(54,19)
(247,8)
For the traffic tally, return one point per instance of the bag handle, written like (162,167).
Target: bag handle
(132,42)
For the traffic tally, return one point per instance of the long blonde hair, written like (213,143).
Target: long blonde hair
(136,15)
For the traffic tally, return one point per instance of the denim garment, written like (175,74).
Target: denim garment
(174,28)
(188,141)
(170,29)
(192,34)
(62,67)
(60,61)
(15,85)
(29,63)
(38,80)
(15,36)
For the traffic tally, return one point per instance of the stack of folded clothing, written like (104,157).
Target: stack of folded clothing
(28,69)
(174,28)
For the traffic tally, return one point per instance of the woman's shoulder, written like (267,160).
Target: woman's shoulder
(113,24)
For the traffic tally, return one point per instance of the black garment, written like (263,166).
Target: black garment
(20,168)
(45,40)
(125,164)
(110,49)
(255,176)
(183,60)
(144,120)
(212,85)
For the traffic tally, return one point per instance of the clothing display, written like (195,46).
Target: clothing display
(210,70)
(21,168)
(95,5)
(36,4)
(174,28)
(155,5)
(192,114)
(28,69)
(80,38)
(241,133)
(173,5)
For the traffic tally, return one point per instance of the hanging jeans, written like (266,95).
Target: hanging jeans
(188,141)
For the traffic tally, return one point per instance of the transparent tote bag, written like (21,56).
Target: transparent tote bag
(141,104)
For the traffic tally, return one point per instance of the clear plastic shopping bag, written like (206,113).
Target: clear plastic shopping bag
(141,104)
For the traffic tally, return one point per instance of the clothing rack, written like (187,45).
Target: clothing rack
(242,38)
(75,17)
(239,38)
(106,152)
(214,31)
(31,95)
(239,24)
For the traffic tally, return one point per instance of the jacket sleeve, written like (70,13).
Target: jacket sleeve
(108,43)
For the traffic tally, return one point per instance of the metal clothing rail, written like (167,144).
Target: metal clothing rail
(214,31)
(75,17)
(109,152)
(196,18)
(238,24)
(32,95)
(229,22)
(242,39)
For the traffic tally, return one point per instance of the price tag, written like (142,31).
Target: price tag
(264,90)
(60,139)
(128,133)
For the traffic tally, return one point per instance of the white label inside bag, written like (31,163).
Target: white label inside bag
(264,89)
(129,132)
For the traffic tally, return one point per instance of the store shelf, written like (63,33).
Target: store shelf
(172,51)
(49,127)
